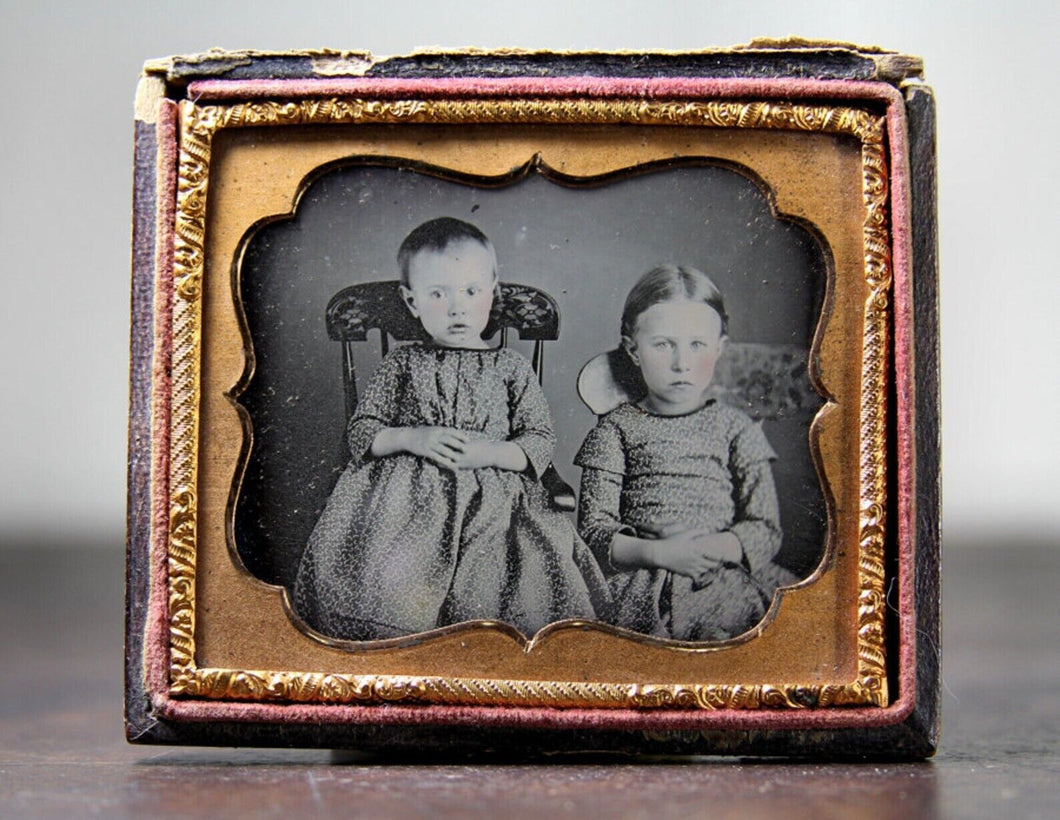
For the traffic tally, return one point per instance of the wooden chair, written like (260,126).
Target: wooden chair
(354,311)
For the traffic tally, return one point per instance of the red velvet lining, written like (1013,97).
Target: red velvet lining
(658,87)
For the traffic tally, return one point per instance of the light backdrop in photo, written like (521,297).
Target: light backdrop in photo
(584,246)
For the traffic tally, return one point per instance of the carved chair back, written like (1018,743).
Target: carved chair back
(358,309)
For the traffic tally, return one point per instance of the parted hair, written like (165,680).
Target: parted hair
(436,235)
(667,283)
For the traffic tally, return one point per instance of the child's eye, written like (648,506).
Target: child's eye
(662,344)
(697,345)
(435,294)
(473,290)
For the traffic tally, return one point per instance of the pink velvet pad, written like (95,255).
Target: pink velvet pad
(533,717)
(207,90)
(156,645)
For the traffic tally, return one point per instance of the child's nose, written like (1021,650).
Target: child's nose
(457,306)
(680,359)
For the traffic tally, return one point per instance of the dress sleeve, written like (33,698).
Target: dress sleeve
(378,406)
(602,460)
(530,420)
(757,523)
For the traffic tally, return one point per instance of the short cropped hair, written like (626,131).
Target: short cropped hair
(436,235)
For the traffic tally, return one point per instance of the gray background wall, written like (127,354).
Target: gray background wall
(67,75)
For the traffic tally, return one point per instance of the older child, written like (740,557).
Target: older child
(440,518)
(677,496)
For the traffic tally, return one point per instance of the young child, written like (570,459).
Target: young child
(440,517)
(677,496)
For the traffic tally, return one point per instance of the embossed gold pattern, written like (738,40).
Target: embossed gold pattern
(200,123)
(335,688)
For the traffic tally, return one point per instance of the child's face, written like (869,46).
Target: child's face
(451,293)
(676,345)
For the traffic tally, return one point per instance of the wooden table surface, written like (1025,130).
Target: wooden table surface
(63,753)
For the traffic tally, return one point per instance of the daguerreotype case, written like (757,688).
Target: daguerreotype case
(536,402)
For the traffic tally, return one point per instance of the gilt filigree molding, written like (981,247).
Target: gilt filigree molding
(198,126)
(352,689)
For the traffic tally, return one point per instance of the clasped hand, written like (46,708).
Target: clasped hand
(450,447)
(690,551)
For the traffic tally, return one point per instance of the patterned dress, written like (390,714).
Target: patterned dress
(405,546)
(707,469)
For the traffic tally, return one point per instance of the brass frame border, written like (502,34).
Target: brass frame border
(198,124)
